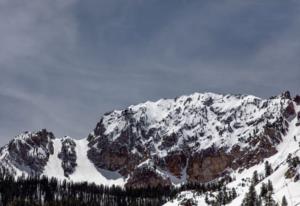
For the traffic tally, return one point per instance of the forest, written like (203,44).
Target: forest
(44,191)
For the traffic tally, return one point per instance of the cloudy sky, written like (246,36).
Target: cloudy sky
(64,63)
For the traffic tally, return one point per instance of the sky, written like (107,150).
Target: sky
(65,63)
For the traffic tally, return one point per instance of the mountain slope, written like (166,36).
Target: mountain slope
(197,138)
(283,185)
(27,160)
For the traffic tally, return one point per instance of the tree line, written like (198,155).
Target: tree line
(44,191)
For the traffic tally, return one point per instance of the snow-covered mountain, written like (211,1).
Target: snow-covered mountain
(40,153)
(197,138)
(285,177)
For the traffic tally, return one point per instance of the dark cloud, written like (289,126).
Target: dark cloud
(64,63)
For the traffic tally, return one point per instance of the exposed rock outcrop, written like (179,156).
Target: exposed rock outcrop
(68,156)
(114,155)
(297,99)
(208,165)
(298,117)
(175,163)
(289,112)
(147,176)
(30,151)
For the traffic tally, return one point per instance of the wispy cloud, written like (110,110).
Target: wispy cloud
(64,63)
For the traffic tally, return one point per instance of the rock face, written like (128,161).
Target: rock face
(147,175)
(115,155)
(297,100)
(175,163)
(208,165)
(202,135)
(30,151)
(195,138)
(289,112)
(68,156)
(298,119)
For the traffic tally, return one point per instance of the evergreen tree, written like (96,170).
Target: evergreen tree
(206,199)
(268,169)
(269,201)
(255,179)
(251,198)
(295,161)
(233,194)
(263,190)
(289,159)
(270,187)
(284,201)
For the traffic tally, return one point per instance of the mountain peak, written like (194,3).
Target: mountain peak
(191,138)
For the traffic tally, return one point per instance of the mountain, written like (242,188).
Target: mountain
(200,138)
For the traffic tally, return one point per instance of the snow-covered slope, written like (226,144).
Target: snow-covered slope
(53,167)
(88,172)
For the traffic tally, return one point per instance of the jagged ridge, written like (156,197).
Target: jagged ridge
(191,138)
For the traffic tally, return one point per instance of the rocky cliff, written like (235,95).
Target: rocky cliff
(195,138)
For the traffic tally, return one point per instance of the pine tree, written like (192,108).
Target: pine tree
(255,179)
(251,198)
(295,161)
(269,201)
(268,169)
(289,159)
(220,198)
(284,201)
(206,199)
(263,190)
(270,187)
(234,195)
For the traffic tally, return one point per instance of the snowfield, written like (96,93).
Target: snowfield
(85,170)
